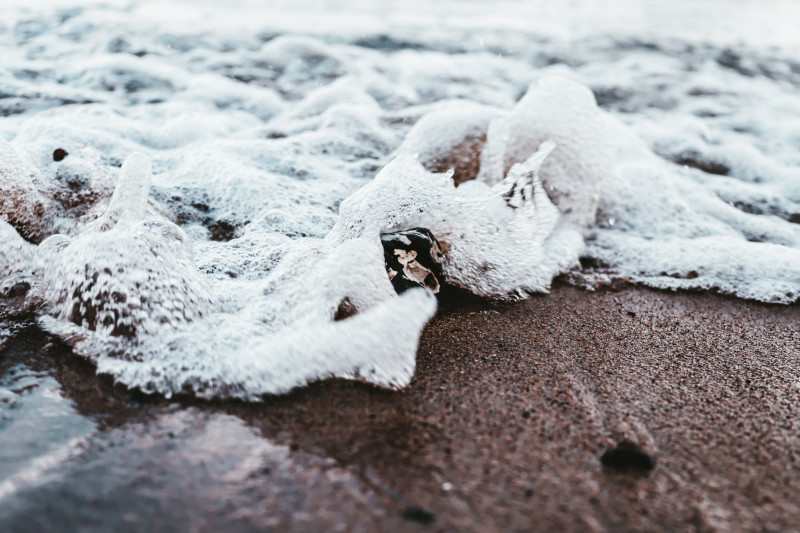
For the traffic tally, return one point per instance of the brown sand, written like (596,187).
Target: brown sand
(502,428)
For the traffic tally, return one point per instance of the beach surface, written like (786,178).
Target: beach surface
(211,171)
(502,429)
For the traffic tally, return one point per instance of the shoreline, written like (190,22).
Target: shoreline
(502,428)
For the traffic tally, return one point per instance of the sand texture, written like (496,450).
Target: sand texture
(502,429)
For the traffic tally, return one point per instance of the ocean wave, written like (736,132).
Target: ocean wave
(202,213)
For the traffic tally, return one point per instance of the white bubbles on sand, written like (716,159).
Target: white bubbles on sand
(671,232)
(202,213)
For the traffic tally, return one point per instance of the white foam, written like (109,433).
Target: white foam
(562,111)
(661,227)
(215,261)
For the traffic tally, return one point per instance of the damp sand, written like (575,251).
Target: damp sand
(502,428)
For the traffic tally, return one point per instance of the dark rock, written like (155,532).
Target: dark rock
(627,456)
(59,154)
(419,515)
(592,263)
(413,259)
(345,310)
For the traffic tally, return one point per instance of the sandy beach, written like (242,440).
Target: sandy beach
(502,429)
(207,211)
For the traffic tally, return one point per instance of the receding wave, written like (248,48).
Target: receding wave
(238,215)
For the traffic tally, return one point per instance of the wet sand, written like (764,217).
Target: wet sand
(502,429)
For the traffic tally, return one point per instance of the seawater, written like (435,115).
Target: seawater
(225,188)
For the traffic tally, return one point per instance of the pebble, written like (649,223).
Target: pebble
(627,456)
(419,515)
(59,154)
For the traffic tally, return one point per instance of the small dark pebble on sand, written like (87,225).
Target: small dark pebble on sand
(627,456)
(59,154)
(419,515)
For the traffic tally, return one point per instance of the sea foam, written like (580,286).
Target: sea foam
(215,226)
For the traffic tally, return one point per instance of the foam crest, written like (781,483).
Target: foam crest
(564,112)
(129,201)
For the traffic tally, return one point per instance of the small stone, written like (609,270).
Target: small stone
(345,310)
(59,154)
(413,259)
(627,456)
(447,487)
(419,515)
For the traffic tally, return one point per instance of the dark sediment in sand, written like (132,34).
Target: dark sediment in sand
(503,428)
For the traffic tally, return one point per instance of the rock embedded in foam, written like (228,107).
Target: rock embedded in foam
(491,237)
(565,112)
(20,288)
(413,259)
